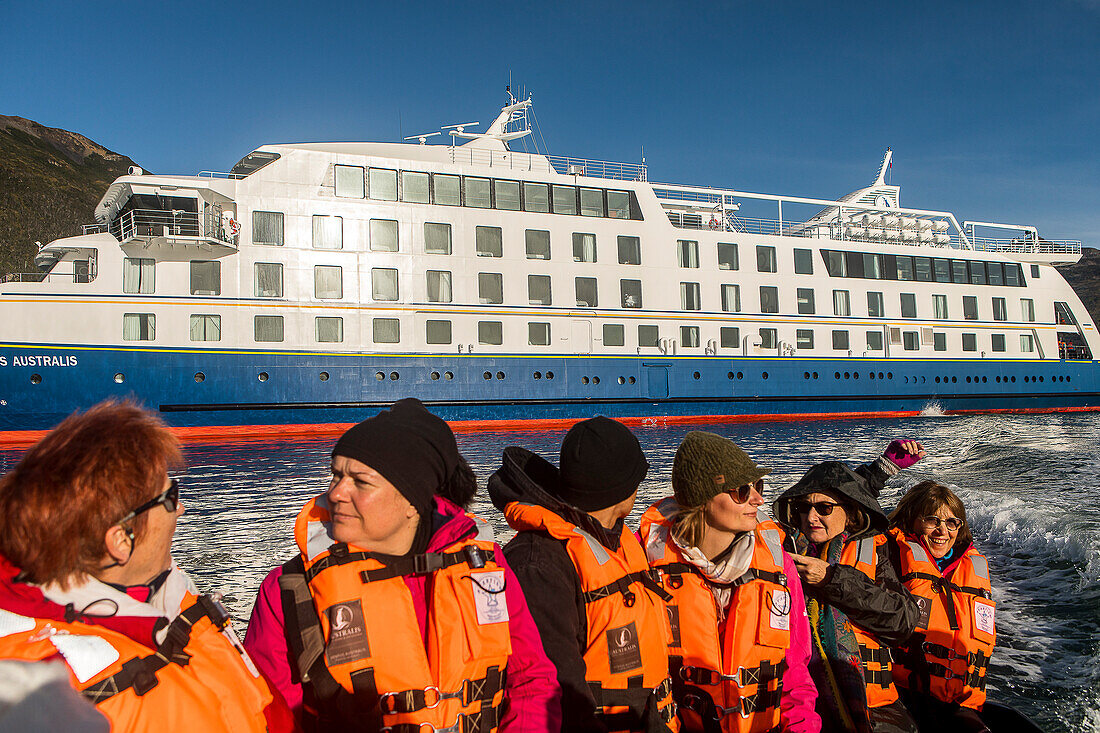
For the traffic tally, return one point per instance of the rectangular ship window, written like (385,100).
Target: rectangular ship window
(939,307)
(923,268)
(349,181)
(727,256)
(565,200)
(872,266)
(648,336)
(206,327)
(939,341)
(765,259)
(614,334)
(383,235)
(330,329)
(970,342)
(1027,343)
(538,244)
(970,307)
(804,338)
(910,340)
(536,198)
(269,279)
(382,184)
(904,265)
(876,308)
(414,187)
(805,301)
(538,290)
(689,336)
(689,297)
(437,332)
(386,330)
(383,283)
(437,238)
(268,328)
(731,298)
(769,338)
(995,273)
(206,277)
(584,247)
(1013,275)
(874,340)
(842,304)
(997,341)
(1000,310)
(769,299)
(478,193)
(592,202)
(631,292)
(840,341)
(328,232)
(835,263)
(1027,309)
(908,305)
(943,270)
(977,273)
(439,286)
(538,334)
(958,272)
(267,228)
(803,262)
(618,204)
(490,333)
(507,195)
(586,292)
(730,337)
(489,242)
(687,252)
(630,250)
(138,275)
(490,288)
(446,189)
(328,282)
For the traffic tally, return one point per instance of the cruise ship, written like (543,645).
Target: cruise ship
(315,283)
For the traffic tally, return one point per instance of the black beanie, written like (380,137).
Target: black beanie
(601,464)
(411,447)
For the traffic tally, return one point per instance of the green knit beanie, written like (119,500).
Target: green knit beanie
(706,465)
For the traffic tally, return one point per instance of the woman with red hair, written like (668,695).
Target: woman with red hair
(86,576)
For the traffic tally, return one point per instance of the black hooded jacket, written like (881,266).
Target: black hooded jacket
(549,579)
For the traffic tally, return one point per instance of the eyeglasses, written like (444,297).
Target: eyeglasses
(933,522)
(741,494)
(824,508)
(170,498)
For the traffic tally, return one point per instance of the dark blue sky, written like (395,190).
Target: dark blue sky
(992,108)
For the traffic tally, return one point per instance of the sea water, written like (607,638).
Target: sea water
(1030,485)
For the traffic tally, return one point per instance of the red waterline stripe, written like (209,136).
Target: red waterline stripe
(242,433)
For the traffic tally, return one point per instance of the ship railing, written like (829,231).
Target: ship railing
(514,160)
(1024,246)
(598,168)
(172,224)
(222,174)
(95,229)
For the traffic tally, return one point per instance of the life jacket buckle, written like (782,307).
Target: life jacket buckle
(629,598)
(475,558)
(675,581)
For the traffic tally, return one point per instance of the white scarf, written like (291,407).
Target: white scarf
(719,576)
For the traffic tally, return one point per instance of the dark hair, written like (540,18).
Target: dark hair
(924,499)
(58,502)
(461,485)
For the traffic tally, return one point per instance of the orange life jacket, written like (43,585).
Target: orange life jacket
(199,678)
(729,674)
(357,644)
(877,668)
(626,656)
(948,656)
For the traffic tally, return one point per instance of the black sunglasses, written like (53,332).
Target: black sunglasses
(824,508)
(742,493)
(170,498)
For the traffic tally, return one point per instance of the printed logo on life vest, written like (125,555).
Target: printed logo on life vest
(347,637)
(925,606)
(623,651)
(983,616)
(779,610)
(674,622)
(489,598)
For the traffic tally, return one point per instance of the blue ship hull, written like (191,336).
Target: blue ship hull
(193,389)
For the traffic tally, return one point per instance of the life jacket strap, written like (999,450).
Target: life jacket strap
(483,721)
(760,702)
(878,677)
(410,701)
(675,571)
(743,677)
(634,696)
(875,655)
(971,678)
(622,585)
(429,562)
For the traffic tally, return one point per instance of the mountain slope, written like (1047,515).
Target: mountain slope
(1084,276)
(50,182)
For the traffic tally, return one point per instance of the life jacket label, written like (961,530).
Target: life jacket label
(925,605)
(779,610)
(489,598)
(674,623)
(983,616)
(623,651)
(347,641)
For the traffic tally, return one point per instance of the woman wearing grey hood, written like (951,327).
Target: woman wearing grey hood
(856,605)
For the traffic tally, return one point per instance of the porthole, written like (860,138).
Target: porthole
(435,376)
(323,376)
(740,375)
(696,375)
(836,375)
(622,380)
(549,375)
(847,375)
(855,375)
(968,380)
(500,375)
(487,375)
(880,375)
(954,379)
(923,380)
(448,375)
(632,380)
(889,375)
(1013,380)
(1027,379)
(200,377)
(36,379)
(537,375)
(985,379)
(119,377)
(815,375)
(595,380)
(394,376)
(871,375)
(907,380)
(1040,379)
(937,380)
(1067,379)
(805,375)
(998,380)
(584,380)
(262,376)
(379,376)
(763,375)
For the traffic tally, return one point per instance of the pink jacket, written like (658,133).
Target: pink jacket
(799,692)
(531,689)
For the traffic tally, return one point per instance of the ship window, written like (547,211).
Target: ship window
(437,238)
(1027,309)
(446,189)
(330,329)
(1062,315)
(729,337)
(489,242)
(872,266)
(842,303)
(138,275)
(1027,343)
(769,338)
(437,332)
(854,261)
(727,256)
(618,204)
(731,298)
(614,334)
(910,340)
(1035,271)
(997,342)
(977,273)
(1013,275)
(631,292)
(939,306)
(874,340)
(383,235)
(970,342)
(995,272)
(538,334)
(939,341)
(835,263)
(687,252)
(382,184)
(383,283)
(648,336)
(876,308)
(538,244)
(206,277)
(943,270)
(490,288)
(538,289)
(1000,311)
(507,195)
(565,200)
(908,305)
(439,286)
(630,250)
(349,181)
(477,192)
(923,268)
(689,336)
(689,296)
(592,202)
(490,333)
(970,307)
(268,328)
(904,265)
(840,341)
(958,272)
(269,280)
(803,262)
(584,247)
(769,299)
(804,338)
(267,228)
(536,198)
(206,327)
(806,301)
(586,292)
(328,282)
(414,187)
(328,232)
(386,330)
(765,259)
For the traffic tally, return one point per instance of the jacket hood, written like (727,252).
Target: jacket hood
(835,477)
(525,477)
